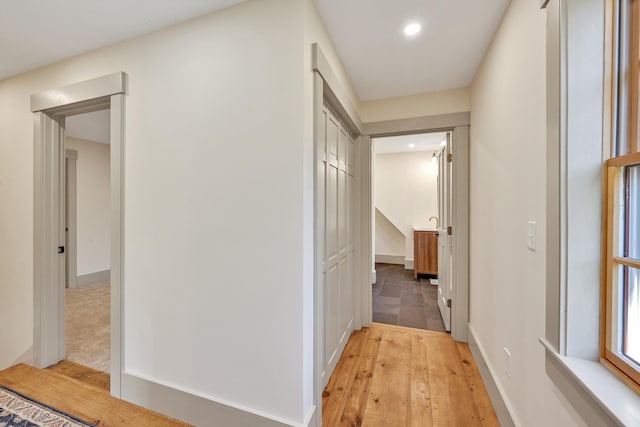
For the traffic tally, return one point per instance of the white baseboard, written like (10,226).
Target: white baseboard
(408,264)
(197,410)
(91,278)
(496,393)
(390,259)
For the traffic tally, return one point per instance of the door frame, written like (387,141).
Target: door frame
(71,218)
(49,110)
(458,124)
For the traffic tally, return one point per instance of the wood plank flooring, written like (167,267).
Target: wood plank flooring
(80,394)
(391,376)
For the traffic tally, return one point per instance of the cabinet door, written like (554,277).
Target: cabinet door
(431,254)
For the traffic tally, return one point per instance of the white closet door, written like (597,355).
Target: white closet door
(332,277)
(339,285)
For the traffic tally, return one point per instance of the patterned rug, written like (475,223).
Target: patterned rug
(17,410)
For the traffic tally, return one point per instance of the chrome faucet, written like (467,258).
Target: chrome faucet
(436,218)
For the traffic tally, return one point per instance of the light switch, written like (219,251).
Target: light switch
(531,235)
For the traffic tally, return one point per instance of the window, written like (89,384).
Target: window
(620,343)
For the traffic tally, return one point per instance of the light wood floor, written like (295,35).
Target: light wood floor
(80,392)
(390,376)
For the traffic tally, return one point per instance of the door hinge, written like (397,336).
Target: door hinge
(60,249)
(449,303)
(449,230)
(449,158)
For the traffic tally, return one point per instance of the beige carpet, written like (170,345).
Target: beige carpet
(87,323)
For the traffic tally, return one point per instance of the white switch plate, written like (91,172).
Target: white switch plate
(531,235)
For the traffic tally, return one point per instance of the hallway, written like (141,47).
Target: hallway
(395,377)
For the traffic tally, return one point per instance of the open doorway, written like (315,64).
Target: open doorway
(88,240)
(51,109)
(408,204)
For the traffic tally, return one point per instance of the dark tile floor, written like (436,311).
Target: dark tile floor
(399,299)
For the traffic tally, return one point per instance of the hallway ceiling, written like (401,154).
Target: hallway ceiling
(34,33)
(382,62)
(368,35)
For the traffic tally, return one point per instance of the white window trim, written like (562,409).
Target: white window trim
(575,155)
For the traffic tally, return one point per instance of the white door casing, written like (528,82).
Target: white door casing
(458,125)
(50,109)
(71,230)
(445,260)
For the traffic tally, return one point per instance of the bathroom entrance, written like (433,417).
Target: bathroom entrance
(411,215)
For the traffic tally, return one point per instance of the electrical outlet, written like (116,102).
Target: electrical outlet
(531,235)
(507,356)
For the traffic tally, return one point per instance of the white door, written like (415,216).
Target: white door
(445,259)
(338,283)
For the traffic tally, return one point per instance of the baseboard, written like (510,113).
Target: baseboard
(390,259)
(496,394)
(91,278)
(194,409)
(408,264)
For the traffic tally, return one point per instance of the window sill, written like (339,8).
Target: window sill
(616,400)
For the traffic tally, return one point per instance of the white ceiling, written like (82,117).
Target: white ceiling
(368,36)
(400,144)
(34,33)
(90,126)
(382,62)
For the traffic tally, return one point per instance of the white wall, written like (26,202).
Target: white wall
(217,250)
(424,104)
(389,240)
(508,160)
(406,191)
(93,205)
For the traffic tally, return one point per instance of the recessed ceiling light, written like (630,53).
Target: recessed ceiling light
(412,29)
(412,145)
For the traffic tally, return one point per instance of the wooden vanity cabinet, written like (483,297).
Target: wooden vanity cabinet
(425,253)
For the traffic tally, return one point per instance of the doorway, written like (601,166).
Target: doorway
(407,172)
(88,235)
(457,157)
(51,110)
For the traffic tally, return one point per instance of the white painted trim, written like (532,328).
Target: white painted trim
(319,211)
(592,389)
(458,123)
(366,224)
(556,119)
(98,87)
(196,408)
(501,405)
(117,241)
(409,264)
(71,216)
(435,123)
(50,108)
(390,259)
(460,235)
(322,66)
(91,278)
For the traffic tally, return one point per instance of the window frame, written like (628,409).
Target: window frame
(624,149)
